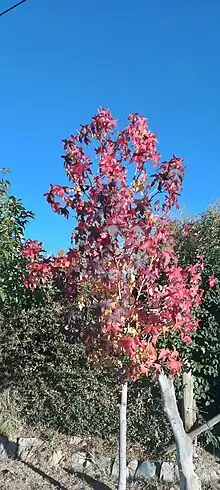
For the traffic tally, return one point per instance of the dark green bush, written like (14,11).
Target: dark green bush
(59,388)
(204,237)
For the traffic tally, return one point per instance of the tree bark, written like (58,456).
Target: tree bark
(122,438)
(188,479)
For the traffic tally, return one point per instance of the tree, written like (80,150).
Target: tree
(201,235)
(123,259)
(13,220)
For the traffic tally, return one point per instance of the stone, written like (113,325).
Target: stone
(132,468)
(12,449)
(169,472)
(208,475)
(115,469)
(8,449)
(3,446)
(56,457)
(146,470)
(105,463)
(78,461)
(76,441)
(26,447)
(87,464)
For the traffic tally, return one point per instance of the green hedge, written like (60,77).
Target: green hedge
(204,237)
(59,388)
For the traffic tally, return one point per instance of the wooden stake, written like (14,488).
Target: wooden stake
(189,406)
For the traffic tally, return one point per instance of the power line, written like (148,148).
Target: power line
(13,7)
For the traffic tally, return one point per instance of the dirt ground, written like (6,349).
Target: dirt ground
(17,475)
(49,466)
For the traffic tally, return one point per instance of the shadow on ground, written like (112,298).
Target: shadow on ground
(45,476)
(10,450)
(95,484)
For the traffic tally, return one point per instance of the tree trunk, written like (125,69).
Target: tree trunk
(188,479)
(122,438)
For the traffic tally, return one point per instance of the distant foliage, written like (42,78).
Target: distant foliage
(13,220)
(202,236)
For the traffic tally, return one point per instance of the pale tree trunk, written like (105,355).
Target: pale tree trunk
(188,479)
(122,438)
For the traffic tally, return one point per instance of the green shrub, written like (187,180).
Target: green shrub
(204,237)
(59,388)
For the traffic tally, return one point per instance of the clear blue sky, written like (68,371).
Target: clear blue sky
(61,59)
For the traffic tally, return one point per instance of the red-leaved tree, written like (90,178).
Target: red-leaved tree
(122,258)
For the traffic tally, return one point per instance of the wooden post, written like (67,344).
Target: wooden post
(188,479)
(197,432)
(189,405)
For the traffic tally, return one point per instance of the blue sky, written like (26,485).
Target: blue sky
(62,59)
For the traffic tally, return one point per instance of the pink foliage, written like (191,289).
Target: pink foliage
(123,250)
